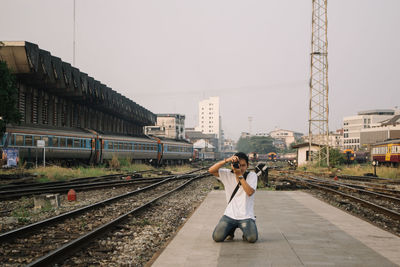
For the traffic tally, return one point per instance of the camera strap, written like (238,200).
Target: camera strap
(237,187)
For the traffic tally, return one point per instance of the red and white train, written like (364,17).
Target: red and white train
(387,152)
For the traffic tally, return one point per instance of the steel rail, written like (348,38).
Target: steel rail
(75,180)
(392,214)
(31,227)
(363,191)
(63,252)
(64,188)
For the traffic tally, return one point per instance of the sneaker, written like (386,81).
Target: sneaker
(229,237)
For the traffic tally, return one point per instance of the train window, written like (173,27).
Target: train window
(19,140)
(2,140)
(125,146)
(28,140)
(62,142)
(55,141)
(69,142)
(12,141)
(35,139)
(46,141)
(77,142)
(130,146)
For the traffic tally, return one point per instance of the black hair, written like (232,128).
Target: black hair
(242,155)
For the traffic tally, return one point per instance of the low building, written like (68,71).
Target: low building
(303,154)
(353,125)
(335,139)
(155,130)
(287,136)
(169,126)
(387,129)
(193,136)
(229,145)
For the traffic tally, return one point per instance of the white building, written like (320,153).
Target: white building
(387,129)
(303,154)
(353,125)
(229,145)
(288,137)
(210,118)
(168,125)
(335,140)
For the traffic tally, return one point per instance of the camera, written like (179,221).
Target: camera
(236,165)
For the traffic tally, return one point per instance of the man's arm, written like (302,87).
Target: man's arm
(246,187)
(214,168)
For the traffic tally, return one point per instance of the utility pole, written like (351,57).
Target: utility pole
(73,43)
(250,120)
(318,130)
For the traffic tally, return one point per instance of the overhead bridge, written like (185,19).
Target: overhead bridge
(51,92)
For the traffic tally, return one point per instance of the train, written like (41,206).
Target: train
(387,152)
(89,146)
(272,156)
(350,156)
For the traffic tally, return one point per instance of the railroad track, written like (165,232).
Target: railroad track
(82,184)
(378,202)
(61,235)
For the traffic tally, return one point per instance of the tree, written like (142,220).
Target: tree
(259,144)
(8,98)
(335,158)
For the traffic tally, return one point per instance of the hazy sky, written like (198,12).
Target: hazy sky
(167,55)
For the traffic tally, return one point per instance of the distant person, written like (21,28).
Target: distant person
(240,210)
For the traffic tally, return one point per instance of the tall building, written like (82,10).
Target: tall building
(353,125)
(209,117)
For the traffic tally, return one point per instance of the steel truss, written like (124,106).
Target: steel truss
(319,110)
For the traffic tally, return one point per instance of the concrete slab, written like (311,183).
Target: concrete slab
(294,228)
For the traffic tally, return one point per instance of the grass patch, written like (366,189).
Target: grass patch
(179,168)
(56,173)
(24,212)
(356,170)
(136,167)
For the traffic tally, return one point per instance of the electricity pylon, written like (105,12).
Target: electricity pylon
(318,130)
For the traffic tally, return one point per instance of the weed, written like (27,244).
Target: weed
(22,214)
(114,162)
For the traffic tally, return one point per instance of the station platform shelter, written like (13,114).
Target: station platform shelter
(54,94)
(295,229)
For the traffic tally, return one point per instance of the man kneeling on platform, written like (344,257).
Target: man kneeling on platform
(240,186)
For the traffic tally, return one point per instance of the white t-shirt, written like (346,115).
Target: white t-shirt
(241,206)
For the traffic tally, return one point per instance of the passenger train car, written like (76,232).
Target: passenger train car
(387,153)
(93,147)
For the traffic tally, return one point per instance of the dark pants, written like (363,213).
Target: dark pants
(228,225)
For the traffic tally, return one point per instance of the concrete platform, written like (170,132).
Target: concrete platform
(294,228)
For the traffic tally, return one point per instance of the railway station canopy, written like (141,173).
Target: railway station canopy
(54,93)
